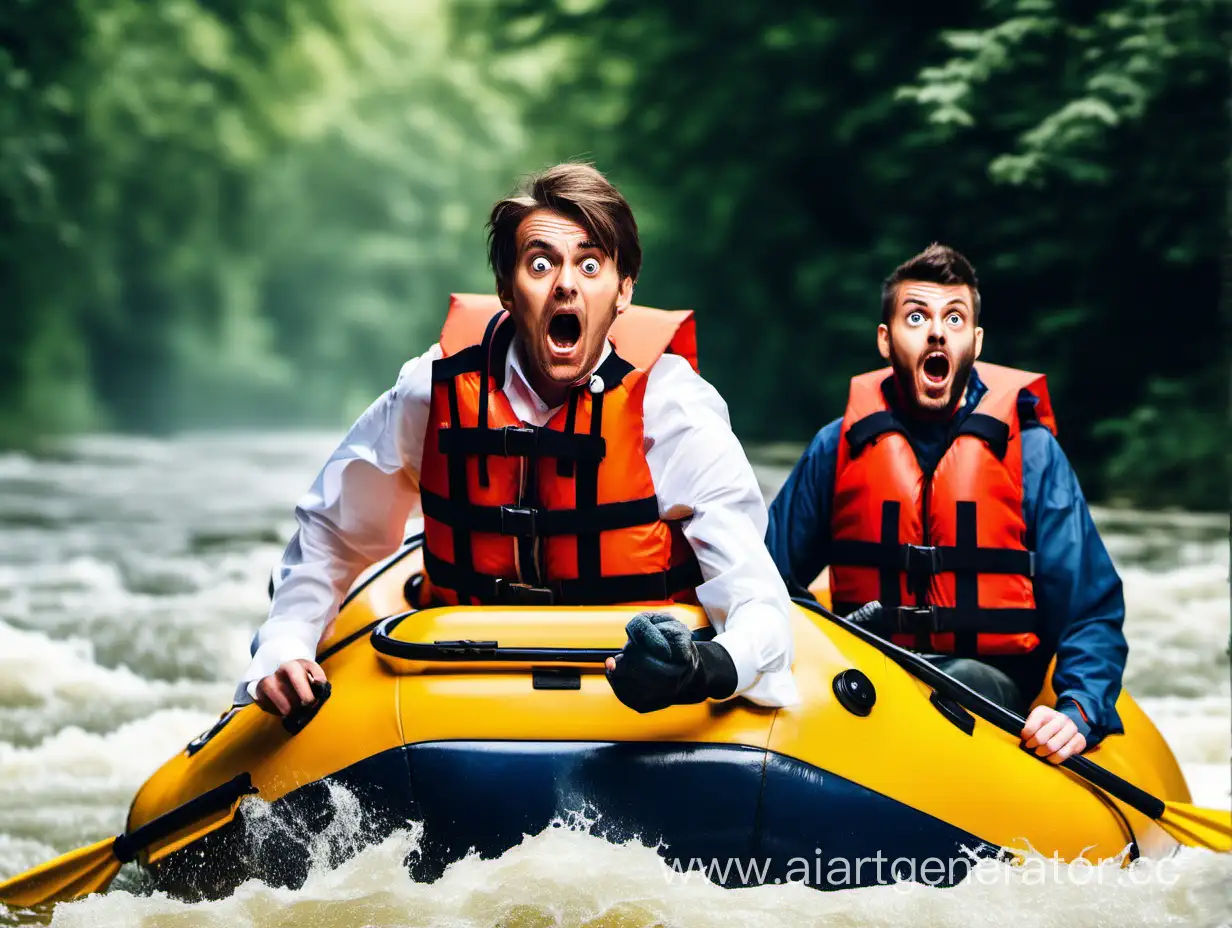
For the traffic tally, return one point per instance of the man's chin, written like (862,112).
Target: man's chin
(932,400)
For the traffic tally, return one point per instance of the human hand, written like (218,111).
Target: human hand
(1052,734)
(655,663)
(289,687)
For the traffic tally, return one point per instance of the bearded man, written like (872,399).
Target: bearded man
(942,494)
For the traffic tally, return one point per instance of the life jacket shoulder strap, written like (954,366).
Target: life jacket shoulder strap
(1004,386)
(870,428)
(992,431)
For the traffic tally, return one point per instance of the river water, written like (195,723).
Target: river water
(133,572)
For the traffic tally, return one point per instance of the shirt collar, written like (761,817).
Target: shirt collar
(513,367)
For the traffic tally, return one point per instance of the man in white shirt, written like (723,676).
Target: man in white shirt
(508,442)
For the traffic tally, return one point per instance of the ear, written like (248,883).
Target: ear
(624,295)
(883,341)
(979,341)
(505,295)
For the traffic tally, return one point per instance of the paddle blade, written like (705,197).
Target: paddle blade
(1195,826)
(77,873)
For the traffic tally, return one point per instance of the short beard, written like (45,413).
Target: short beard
(905,381)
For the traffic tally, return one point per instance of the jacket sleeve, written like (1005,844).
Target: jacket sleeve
(354,515)
(1077,589)
(798,534)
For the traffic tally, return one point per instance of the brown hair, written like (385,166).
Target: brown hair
(936,264)
(578,192)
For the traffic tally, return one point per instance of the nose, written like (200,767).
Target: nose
(566,282)
(936,333)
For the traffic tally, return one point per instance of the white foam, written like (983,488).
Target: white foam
(568,878)
(133,577)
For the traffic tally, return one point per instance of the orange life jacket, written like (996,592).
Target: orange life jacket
(563,513)
(946,552)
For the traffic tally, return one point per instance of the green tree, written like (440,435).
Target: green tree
(783,158)
(1116,119)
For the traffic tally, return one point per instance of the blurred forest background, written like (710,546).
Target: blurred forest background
(251,212)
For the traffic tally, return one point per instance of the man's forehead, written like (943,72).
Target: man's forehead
(551,227)
(929,293)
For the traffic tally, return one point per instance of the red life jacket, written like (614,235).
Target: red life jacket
(945,553)
(563,513)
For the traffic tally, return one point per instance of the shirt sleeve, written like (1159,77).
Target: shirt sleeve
(354,515)
(702,478)
(1077,589)
(798,535)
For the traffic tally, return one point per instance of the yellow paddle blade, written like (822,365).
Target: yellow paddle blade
(1191,825)
(77,873)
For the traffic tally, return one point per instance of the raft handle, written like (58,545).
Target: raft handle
(953,712)
(466,650)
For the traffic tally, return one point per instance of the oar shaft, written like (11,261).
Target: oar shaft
(1003,718)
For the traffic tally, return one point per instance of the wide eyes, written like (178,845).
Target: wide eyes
(541,264)
(915,317)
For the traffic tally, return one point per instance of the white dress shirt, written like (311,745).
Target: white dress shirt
(357,510)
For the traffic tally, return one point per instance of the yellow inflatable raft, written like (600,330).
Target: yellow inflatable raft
(486,724)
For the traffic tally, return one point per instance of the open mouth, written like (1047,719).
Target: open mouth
(936,367)
(564,330)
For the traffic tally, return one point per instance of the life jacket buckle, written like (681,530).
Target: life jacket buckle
(523,594)
(519,441)
(912,620)
(517,520)
(921,559)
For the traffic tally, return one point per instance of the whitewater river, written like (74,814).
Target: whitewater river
(132,573)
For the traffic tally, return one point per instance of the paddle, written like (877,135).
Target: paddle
(90,869)
(1190,825)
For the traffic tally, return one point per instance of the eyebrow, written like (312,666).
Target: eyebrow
(541,245)
(956,301)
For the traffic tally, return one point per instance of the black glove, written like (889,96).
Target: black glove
(661,665)
(868,614)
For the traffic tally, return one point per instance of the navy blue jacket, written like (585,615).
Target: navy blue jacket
(1077,589)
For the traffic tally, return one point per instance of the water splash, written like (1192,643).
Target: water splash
(133,572)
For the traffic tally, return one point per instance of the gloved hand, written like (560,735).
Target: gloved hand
(661,665)
(869,613)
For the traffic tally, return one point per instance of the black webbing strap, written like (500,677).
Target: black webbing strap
(870,428)
(612,372)
(564,466)
(630,588)
(484,377)
(991,430)
(489,590)
(526,521)
(606,591)
(459,497)
(966,583)
(913,620)
(932,559)
(522,442)
(530,570)
(890,592)
(586,498)
(466,361)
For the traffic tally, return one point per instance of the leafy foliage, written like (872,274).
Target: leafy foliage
(783,158)
(219,212)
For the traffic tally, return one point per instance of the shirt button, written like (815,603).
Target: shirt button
(596,384)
